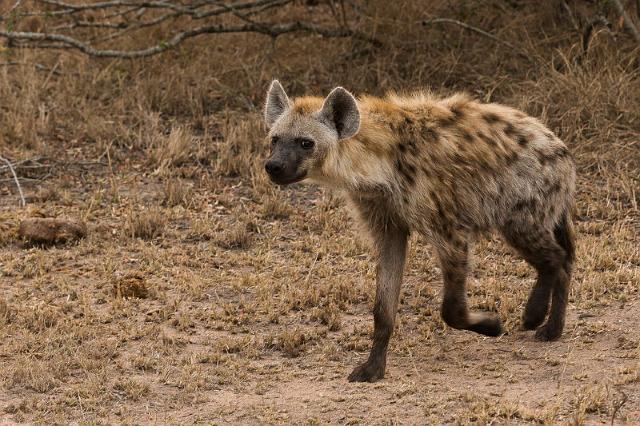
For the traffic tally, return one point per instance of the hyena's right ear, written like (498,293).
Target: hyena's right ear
(277,103)
(340,111)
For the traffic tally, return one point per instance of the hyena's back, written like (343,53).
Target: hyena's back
(472,166)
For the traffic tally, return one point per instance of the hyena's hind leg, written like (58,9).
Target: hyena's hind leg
(550,252)
(454,261)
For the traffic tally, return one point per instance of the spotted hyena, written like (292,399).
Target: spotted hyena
(448,169)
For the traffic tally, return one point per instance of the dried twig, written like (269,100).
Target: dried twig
(570,14)
(39,67)
(10,11)
(17,181)
(617,405)
(21,164)
(626,20)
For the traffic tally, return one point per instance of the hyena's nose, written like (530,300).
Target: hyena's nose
(274,168)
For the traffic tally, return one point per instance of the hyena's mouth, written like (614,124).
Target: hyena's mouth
(288,180)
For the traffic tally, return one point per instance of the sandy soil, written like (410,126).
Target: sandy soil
(256,315)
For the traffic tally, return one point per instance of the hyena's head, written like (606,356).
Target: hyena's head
(303,131)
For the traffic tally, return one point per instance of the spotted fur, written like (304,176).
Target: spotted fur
(448,169)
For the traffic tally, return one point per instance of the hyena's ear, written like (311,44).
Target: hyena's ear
(277,103)
(340,110)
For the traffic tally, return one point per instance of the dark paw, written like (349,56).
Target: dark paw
(531,322)
(548,333)
(489,326)
(367,372)
(533,317)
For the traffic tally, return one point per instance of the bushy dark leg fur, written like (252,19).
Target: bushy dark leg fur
(551,254)
(392,249)
(454,260)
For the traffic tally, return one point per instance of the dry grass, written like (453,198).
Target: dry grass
(177,193)
(173,150)
(202,285)
(145,224)
(237,236)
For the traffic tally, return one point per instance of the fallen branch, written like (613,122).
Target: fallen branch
(39,67)
(60,41)
(85,26)
(15,178)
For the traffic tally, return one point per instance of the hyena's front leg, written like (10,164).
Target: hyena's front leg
(454,260)
(392,250)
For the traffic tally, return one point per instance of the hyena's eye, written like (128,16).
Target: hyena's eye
(274,140)
(306,143)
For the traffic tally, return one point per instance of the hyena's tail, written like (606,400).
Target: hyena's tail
(565,236)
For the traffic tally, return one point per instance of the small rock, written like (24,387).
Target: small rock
(50,231)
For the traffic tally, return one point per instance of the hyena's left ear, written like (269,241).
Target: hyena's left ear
(340,110)
(277,103)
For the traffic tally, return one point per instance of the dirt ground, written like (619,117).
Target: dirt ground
(204,294)
(254,314)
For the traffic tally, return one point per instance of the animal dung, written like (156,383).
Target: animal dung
(130,286)
(51,231)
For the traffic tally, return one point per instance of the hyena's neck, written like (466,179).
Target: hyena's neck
(363,162)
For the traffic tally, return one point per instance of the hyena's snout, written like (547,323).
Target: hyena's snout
(274,168)
(283,169)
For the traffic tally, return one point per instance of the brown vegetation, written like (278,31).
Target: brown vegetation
(145,224)
(259,298)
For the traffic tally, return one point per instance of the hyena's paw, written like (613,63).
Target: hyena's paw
(549,332)
(536,310)
(370,371)
(489,325)
(533,318)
